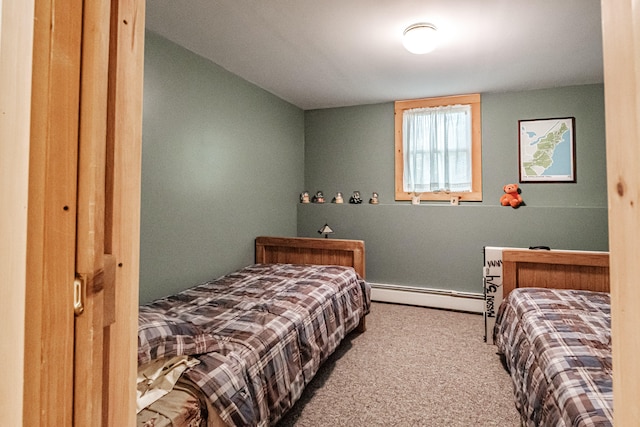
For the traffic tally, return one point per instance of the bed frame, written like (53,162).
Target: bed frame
(303,250)
(526,355)
(307,250)
(522,268)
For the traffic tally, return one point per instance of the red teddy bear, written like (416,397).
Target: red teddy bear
(512,197)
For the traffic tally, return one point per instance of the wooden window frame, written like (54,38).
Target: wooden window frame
(476,146)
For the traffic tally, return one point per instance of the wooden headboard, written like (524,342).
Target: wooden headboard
(303,250)
(555,269)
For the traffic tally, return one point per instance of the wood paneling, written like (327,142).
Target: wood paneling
(621,49)
(51,231)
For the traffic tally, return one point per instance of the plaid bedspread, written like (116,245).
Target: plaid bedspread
(556,345)
(260,334)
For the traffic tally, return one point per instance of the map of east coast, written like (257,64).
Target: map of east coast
(546,150)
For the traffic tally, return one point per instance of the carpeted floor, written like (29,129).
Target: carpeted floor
(413,367)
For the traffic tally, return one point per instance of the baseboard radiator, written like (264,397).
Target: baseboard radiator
(426,297)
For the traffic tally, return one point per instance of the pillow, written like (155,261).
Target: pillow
(160,335)
(156,379)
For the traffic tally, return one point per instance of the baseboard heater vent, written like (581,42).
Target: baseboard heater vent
(427,297)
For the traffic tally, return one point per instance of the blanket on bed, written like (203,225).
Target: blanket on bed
(557,346)
(260,334)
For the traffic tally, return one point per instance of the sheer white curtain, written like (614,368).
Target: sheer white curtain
(437,149)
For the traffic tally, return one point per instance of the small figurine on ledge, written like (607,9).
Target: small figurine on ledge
(374,199)
(304,197)
(319,197)
(355,198)
(338,199)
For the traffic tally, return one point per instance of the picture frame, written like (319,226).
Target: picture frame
(547,150)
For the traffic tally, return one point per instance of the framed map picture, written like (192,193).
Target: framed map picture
(547,151)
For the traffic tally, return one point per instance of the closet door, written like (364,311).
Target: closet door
(83,213)
(94,284)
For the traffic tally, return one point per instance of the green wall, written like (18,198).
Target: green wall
(435,245)
(222,162)
(225,161)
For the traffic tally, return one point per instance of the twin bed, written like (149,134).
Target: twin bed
(553,331)
(240,349)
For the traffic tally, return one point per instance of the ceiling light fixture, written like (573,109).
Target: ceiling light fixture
(420,38)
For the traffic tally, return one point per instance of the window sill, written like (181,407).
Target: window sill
(473,196)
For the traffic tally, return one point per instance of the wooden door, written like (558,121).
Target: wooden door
(94,289)
(48,388)
(83,215)
(621,50)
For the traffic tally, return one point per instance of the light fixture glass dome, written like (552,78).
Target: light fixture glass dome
(420,38)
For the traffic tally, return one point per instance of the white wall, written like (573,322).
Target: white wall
(16,42)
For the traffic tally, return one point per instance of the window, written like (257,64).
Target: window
(438,148)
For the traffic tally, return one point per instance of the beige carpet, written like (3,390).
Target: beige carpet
(413,367)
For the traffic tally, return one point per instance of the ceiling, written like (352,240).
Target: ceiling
(332,53)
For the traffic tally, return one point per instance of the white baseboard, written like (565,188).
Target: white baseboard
(425,297)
